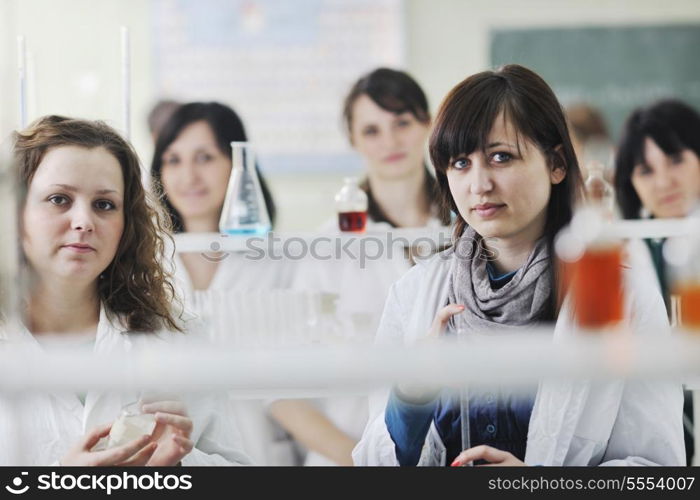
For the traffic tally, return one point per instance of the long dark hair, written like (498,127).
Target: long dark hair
(396,92)
(672,125)
(466,118)
(226,126)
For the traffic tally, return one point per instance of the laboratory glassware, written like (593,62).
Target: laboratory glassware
(599,191)
(457,330)
(465,428)
(131,424)
(244,212)
(592,269)
(351,204)
(683,256)
(9,249)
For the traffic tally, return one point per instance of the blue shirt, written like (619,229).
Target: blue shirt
(495,418)
(498,280)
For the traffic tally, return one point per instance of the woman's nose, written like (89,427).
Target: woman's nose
(391,138)
(664,179)
(189,173)
(481,181)
(82,218)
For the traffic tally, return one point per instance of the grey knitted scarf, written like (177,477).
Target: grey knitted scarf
(519,302)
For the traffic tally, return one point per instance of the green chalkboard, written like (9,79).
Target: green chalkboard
(614,68)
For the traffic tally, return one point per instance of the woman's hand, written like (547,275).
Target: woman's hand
(494,456)
(172,432)
(422,393)
(442,318)
(136,452)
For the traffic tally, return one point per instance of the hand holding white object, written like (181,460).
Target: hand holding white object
(172,432)
(135,452)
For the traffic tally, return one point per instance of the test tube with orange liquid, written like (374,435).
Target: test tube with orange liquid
(596,286)
(682,254)
(590,270)
(689,304)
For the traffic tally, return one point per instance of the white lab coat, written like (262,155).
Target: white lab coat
(262,438)
(639,258)
(236,272)
(361,290)
(572,423)
(45,426)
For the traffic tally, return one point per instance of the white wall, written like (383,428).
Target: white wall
(74,46)
(74,56)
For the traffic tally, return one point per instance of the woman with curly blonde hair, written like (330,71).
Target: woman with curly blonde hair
(93,246)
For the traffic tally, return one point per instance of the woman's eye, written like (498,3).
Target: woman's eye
(58,199)
(105,205)
(501,157)
(203,158)
(171,160)
(676,159)
(404,122)
(369,131)
(460,163)
(642,170)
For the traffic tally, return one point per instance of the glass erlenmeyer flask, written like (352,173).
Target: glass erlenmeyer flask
(244,208)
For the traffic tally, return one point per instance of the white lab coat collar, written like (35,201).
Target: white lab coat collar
(111,338)
(103,337)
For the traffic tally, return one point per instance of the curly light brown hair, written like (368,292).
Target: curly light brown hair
(135,288)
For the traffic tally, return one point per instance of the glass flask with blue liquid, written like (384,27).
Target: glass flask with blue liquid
(244,212)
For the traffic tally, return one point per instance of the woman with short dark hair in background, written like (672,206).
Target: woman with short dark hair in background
(658,175)
(191,167)
(387,120)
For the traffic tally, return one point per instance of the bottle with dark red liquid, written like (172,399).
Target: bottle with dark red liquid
(351,205)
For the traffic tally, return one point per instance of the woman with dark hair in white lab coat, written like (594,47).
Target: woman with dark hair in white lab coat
(505,164)
(190,169)
(387,120)
(657,175)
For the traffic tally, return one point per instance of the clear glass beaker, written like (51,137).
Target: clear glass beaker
(244,211)
(131,424)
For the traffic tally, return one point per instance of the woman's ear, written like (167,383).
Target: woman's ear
(558,172)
